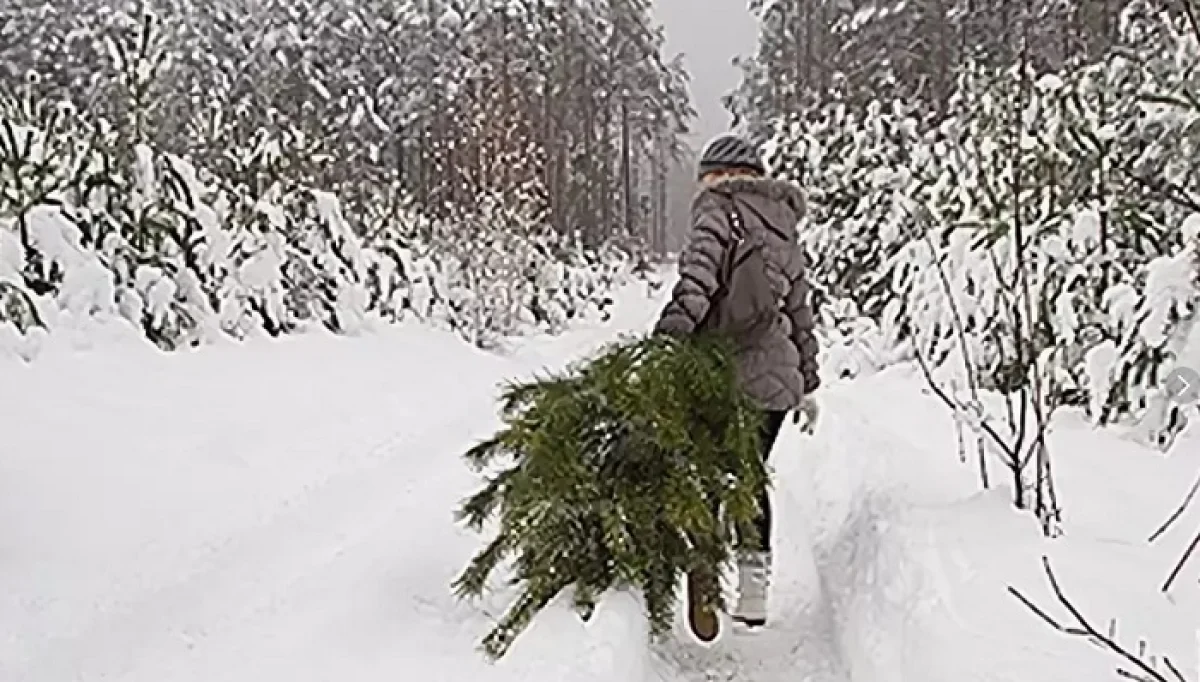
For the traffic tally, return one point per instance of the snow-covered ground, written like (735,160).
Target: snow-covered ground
(281,511)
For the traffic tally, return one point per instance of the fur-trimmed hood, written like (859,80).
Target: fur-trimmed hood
(779,190)
(781,202)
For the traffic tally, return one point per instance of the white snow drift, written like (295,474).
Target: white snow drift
(281,510)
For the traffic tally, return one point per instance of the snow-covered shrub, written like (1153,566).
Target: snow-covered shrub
(187,257)
(1074,187)
(855,345)
(858,169)
(445,99)
(1149,326)
(1032,248)
(1098,248)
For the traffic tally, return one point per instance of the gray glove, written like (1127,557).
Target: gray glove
(806,414)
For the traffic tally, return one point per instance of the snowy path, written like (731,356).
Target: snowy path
(281,511)
(273,511)
(893,565)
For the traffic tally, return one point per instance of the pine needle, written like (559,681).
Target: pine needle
(619,467)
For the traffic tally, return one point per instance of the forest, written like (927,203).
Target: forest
(1007,193)
(1006,188)
(230,167)
(1003,195)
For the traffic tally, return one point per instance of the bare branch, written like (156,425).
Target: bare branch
(956,408)
(1178,512)
(1174,671)
(1095,635)
(1039,438)
(1165,189)
(1121,672)
(1193,20)
(1033,607)
(1187,554)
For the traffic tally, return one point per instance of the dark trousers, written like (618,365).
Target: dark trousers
(772,423)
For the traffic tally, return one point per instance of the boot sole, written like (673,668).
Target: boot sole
(703,621)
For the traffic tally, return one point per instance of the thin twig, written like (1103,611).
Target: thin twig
(960,332)
(1178,512)
(1144,672)
(1165,189)
(1174,671)
(1094,634)
(1121,672)
(1187,554)
(1192,18)
(941,393)
(1038,438)
(1033,607)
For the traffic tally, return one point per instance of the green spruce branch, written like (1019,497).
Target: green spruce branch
(625,472)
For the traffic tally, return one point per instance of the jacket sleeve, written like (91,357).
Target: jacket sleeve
(700,267)
(799,309)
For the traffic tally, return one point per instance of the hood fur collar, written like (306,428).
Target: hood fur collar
(779,190)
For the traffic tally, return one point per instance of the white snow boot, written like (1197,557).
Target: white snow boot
(754,576)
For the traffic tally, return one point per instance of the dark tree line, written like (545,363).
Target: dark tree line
(568,110)
(859,50)
(231,167)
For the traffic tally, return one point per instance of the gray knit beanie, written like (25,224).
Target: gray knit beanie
(730,151)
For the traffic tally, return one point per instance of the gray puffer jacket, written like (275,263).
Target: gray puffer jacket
(779,366)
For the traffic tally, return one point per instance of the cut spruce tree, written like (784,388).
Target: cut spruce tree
(628,471)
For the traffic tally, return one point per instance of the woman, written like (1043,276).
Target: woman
(777,362)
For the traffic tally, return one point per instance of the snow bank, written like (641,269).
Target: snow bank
(184,260)
(275,509)
(916,561)
(280,509)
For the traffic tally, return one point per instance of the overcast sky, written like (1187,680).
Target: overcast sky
(709,33)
